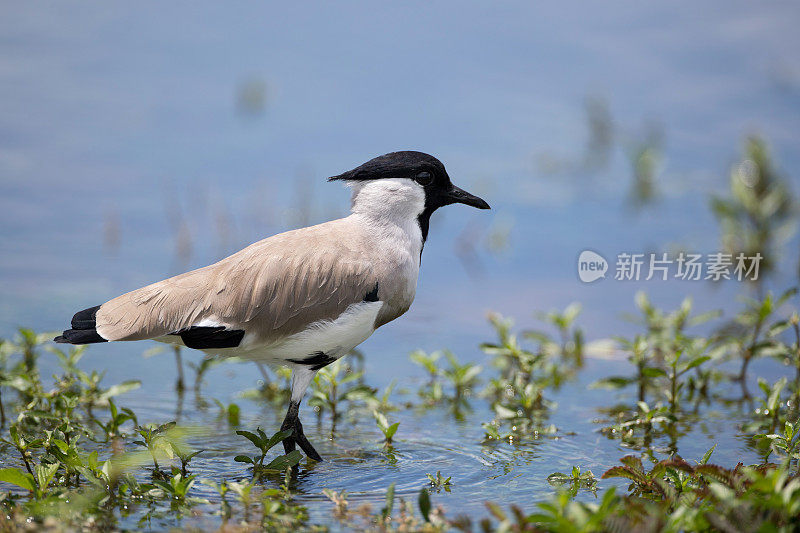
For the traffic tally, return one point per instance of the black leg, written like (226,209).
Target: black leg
(292,421)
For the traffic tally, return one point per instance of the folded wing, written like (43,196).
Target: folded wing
(269,290)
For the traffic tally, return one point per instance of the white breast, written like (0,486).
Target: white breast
(334,338)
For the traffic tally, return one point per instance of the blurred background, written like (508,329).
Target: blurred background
(138,142)
(141,140)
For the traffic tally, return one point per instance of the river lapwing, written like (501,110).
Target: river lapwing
(303,298)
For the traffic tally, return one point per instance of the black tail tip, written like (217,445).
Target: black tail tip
(79,336)
(85,319)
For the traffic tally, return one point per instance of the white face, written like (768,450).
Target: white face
(388,197)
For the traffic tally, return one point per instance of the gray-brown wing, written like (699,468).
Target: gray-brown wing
(273,288)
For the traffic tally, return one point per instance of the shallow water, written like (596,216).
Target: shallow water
(125,157)
(428,440)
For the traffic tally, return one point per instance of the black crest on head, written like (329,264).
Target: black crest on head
(404,164)
(425,170)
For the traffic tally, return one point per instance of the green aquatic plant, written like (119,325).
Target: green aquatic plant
(636,427)
(463,377)
(154,438)
(185,456)
(28,343)
(177,486)
(570,347)
(759,215)
(673,495)
(221,489)
(278,510)
(334,385)
(23,445)
(575,479)
(274,388)
(772,412)
(113,427)
(74,420)
(439,482)
(788,352)
(244,494)
(62,429)
(786,444)
(381,402)
(36,481)
(641,359)
(751,335)
(386,428)
(669,370)
(231,412)
(432,392)
(517,393)
(664,329)
(560,514)
(691,355)
(452,384)
(264,444)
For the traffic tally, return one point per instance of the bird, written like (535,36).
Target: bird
(303,298)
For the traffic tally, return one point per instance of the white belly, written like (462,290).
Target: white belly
(334,338)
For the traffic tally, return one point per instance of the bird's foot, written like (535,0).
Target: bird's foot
(292,421)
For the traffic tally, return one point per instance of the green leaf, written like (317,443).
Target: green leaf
(244,459)
(504,412)
(613,382)
(166,487)
(425,504)
(558,478)
(471,373)
(192,455)
(233,414)
(279,464)
(392,430)
(707,455)
(276,438)
(778,327)
(16,477)
(381,419)
(252,437)
(44,474)
(653,372)
(697,361)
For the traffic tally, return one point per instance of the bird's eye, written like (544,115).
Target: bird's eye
(424,178)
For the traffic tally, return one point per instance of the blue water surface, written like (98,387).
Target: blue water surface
(141,140)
